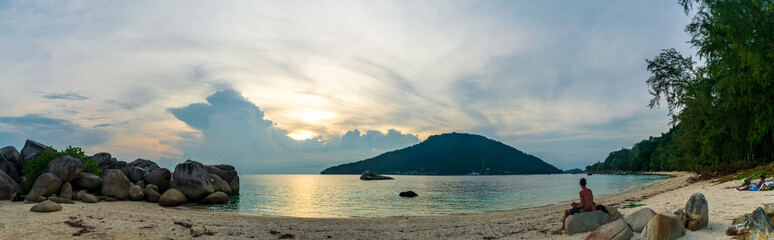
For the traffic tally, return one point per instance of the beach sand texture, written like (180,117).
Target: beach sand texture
(142,220)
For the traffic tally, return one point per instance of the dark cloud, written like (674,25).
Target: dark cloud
(235,131)
(65,96)
(53,131)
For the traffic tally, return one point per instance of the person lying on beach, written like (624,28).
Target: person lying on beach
(586,203)
(754,187)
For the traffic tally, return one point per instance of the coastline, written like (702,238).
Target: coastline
(132,220)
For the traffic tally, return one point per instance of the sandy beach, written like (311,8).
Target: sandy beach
(142,220)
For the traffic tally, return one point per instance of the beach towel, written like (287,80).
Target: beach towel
(634,205)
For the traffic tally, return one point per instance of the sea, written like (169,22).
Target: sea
(348,196)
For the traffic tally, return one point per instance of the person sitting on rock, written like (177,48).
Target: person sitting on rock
(755,187)
(586,203)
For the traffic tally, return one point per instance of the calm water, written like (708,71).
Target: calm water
(348,196)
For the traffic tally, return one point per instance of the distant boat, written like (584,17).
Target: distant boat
(474,173)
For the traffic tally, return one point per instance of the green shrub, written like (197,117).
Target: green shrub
(34,168)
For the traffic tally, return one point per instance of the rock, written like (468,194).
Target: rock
(697,212)
(115,184)
(191,179)
(665,226)
(141,183)
(11,154)
(103,159)
(227,173)
(151,195)
(134,174)
(135,193)
(79,195)
(88,181)
(10,169)
(614,214)
(219,184)
(8,186)
(681,214)
(736,230)
(151,186)
(46,206)
(110,199)
(615,230)
(66,167)
(769,209)
(759,226)
(44,186)
(234,185)
(103,197)
(172,197)
(216,198)
(31,150)
(159,177)
(41,199)
(370,175)
(408,194)
(66,191)
(53,195)
(639,219)
(741,219)
(585,222)
(145,164)
(88,198)
(60,200)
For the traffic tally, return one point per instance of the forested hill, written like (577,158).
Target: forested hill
(723,105)
(451,154)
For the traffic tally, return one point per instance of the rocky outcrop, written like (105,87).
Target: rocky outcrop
(88,181)
(615,230)
(159,177)
(145,164)
(8,187)
(759,226)
(172,197)
(614,214)
(136,193)
(9,168)
(696,212)
(11,154)
(370,175)
(191,179)
(585,222)
(219,184)
(46,206)
(216,198)
(639,219)
(226,172)
(115,184)
(665,226)
(408,194)
(31,150)
(66,167)
(44,186)
(66,191)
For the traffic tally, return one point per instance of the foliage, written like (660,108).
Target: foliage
(723,110)
(34,168)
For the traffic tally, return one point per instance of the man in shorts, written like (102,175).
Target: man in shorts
(586,202)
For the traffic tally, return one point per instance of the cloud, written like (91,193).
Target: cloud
(234,130)
(14,131)
(65,96)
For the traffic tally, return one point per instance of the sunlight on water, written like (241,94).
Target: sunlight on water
(348,196)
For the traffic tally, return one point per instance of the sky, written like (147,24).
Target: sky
(298,86)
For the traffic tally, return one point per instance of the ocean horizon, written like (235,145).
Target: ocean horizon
(314,195)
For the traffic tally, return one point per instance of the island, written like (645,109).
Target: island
(451,154)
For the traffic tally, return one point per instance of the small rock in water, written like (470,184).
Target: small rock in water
(408,194)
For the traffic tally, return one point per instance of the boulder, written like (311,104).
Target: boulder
(88,198)
(88,181)
(234,185)
(135,193)
(115,184)
(159,177)
(759,226)
(44,186)
(226,172)
(151,195)
(141,183)
(370,175)
(8,186)
(145,164)
(191,179)
(103,159)
(60,200)
(408,194)
(172,197)
(10,169)
(696,212)
(46,206)
(769,209)
(665,226)
(66,191)
(615,230)
(151,186)
(216,198)
(585,222)
(66,167)
(683,217)
(41,199)
(134,174)
(78,195)
(31,150)
(220,185)
(639,219)
(11,154)
(614,214)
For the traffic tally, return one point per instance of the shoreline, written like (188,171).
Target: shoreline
(132,220)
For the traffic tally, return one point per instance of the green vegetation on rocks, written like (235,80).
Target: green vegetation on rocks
(35,167)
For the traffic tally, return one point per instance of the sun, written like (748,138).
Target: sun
(299,135)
